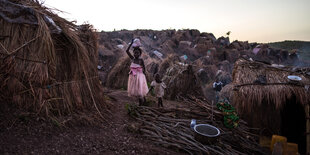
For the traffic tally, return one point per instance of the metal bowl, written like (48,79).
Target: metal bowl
(206,134)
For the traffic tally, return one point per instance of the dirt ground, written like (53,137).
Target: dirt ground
(42,138)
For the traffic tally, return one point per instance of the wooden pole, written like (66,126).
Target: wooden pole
(212,112)
(308,129)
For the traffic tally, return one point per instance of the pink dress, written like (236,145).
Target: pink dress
(137,85)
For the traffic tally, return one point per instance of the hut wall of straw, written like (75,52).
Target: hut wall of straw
(180,81)
(168,62)
(261,103)
(227,92)
(47,72)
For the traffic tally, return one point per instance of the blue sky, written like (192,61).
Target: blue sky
(248,20)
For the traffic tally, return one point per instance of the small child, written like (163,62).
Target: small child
(217,86)
(159,89)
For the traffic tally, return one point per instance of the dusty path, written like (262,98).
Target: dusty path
(40,138)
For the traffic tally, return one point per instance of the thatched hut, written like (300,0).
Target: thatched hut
(267,99)
(181,79)
(118,76)
(48,64)
(226,92)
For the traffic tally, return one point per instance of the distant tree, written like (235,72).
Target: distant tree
(228,33)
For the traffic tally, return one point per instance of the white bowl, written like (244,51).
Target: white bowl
(294,78)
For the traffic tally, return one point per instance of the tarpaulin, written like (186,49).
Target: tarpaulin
(52,25)
(19,14)
(256,50)
(16,13)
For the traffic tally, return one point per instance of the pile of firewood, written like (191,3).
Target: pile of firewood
(171,128)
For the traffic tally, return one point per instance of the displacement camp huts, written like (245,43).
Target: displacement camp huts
(180,78)
(47,64)
(267,99)
(181,81)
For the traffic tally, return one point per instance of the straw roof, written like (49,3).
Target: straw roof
(48,64)
(277,88)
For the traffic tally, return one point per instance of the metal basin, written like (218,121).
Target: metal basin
(206,134)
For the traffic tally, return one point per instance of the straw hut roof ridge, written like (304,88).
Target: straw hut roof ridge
(276,88)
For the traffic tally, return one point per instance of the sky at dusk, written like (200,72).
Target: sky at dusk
(248,20)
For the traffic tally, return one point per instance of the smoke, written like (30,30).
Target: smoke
(301,61)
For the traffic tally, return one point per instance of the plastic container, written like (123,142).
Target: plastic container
(277,138)
(136,43)
(265,141)
(291,149)
(193,123)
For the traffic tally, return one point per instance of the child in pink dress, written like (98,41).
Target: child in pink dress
(137,86)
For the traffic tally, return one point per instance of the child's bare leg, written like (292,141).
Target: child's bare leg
(140,101)
(160,102)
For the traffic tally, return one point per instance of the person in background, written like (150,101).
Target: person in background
(217,86)
(159,87)
(137,86)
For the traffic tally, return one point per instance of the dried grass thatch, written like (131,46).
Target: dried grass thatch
(227,92)
(118,76)
(276,91)
(169,61)
(266,100)
(181,80)
(206,74)
(45,72)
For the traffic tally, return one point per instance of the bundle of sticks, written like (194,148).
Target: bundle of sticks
(171,128)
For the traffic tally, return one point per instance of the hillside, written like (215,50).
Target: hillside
(302,46)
